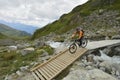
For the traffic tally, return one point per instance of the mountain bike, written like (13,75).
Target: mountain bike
(75,44)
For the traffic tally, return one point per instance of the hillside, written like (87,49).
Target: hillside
(20,26)
(2,36)
(101,17)
(10,32)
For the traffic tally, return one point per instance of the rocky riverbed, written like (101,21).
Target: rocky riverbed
(96,64)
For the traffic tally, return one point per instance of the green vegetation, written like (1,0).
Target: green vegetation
(48,49)
(76,17)
(2,36)
(12,61)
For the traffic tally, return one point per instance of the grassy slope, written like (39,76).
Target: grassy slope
(12,61)
(70,20)
(2,36)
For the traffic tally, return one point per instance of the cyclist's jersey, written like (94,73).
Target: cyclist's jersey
(79,33)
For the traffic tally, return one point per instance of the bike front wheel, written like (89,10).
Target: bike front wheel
(84,43)
(72,48)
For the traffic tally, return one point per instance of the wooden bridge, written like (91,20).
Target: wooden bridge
(50,69)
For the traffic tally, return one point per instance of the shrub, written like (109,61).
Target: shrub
(9,56)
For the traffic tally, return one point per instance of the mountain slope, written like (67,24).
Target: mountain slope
(10,32)
(19,26)
(92,16)
(2,36)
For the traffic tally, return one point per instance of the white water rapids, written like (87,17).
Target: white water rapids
(59,46)
(114,59)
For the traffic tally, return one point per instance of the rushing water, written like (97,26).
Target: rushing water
(54,44)
(61,46)
(114,59)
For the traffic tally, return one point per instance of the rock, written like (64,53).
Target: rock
(106,65)
(107,38)
(7,78)
(89,67)
(118,77)
(24,68)
(13,76)
(113,71)
(116,37)
(107,50)
(45,58)
(7,42)
(23,45)
(116,66)
(27,76)
(77,75)
(44,53)
(38,43)
(12,48)
(102,68)
(19,73)
(117,51)
(90,58)
(88,63)
(80,64)
(27,50)
(94,74)
(117,73)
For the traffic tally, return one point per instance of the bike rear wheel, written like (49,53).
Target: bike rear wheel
(84,43)
(72,48)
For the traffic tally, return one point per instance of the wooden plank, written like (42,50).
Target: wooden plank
(39,74)
(59,63)
(52,68)
(66,58)
(48,60)
(56,66)
(65,67)
(49,73)
(35,76)
(46,74)
(43,73)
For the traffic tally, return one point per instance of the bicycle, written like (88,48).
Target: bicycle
(73,46)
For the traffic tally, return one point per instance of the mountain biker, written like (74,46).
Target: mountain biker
(80,33)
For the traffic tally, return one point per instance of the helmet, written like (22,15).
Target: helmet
(77,29)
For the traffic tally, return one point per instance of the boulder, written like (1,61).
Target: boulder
(13,76)
(24,68)
(12,48)
(27,51)
(96,74)
(44,54)
(106,65)
(22,46)
(116,66)
(116,37)
(38,43)
(93,74)
(90,58)
(45,58)
(19,73)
